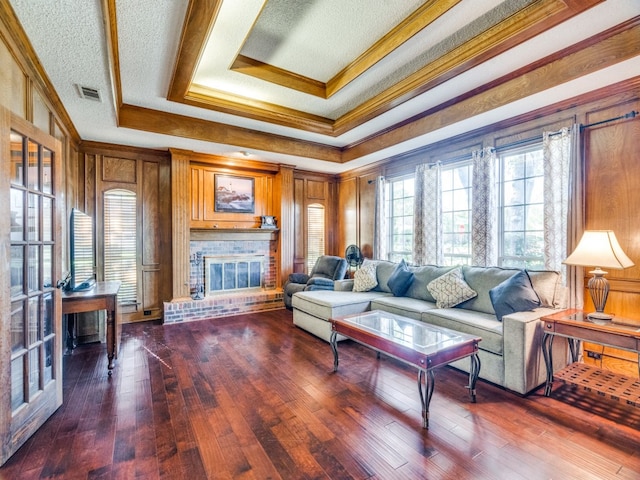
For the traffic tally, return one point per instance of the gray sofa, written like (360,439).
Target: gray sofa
(510,350)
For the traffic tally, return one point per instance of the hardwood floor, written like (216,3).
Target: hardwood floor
(253,397)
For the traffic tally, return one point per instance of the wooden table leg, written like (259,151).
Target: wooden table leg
(111,338)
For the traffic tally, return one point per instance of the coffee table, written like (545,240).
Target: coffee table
(413,342)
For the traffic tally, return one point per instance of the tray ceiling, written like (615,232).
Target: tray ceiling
(324,85)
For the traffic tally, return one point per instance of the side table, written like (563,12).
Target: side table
(575,326)
(103,296)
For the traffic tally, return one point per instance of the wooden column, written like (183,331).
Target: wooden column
(180,219)
(283,187)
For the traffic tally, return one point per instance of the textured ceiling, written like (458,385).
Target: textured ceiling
(313,39)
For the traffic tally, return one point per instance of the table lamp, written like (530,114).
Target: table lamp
(599,248)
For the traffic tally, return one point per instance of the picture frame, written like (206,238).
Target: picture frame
(234,194)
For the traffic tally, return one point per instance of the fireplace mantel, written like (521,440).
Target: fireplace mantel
(232,234)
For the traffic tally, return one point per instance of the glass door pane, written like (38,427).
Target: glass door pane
(32,269)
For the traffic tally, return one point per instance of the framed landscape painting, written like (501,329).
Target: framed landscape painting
(234,194)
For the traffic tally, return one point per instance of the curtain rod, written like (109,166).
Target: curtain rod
(631,114)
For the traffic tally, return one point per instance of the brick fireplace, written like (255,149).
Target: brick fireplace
(232,272)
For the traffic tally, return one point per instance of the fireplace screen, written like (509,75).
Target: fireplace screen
(225,274)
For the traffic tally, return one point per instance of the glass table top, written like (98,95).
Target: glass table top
(414,334)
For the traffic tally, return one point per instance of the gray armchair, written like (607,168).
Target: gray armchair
(327,269)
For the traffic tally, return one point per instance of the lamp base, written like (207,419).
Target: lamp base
(599,316)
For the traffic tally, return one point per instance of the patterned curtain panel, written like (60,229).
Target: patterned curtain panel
(556,150)
(381,232)
(575,217)
(427,218)
(484,251)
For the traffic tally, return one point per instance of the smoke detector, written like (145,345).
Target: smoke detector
(89,93)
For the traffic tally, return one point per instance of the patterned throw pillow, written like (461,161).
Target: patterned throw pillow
(450,289)
(365,278)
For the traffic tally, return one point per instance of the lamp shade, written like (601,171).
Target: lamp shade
(599,248)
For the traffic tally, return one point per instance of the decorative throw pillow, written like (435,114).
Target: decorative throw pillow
(400,280)
(450,289)
(365,278)
(515,294)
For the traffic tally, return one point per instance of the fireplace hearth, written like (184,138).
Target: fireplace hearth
(237,273)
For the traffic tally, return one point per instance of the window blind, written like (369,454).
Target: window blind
(315,234)
(120,238)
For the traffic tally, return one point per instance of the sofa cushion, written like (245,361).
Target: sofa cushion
(400,279)
(548,286)
(422,275)
(330,304)
(483,325)
(365,278)
(405,306)
(384,270)
(481,280)
(450,289)
(515,294)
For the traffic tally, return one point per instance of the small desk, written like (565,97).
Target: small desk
(575,326)
(103,296)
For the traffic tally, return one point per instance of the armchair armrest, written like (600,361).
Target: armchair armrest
(323,283)
(298,278)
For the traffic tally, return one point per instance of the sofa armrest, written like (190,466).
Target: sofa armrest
(345,285)
(524,367)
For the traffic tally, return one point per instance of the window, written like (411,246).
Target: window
(521,214)
(400,193)
(315,234)
(456,214)
(120,238)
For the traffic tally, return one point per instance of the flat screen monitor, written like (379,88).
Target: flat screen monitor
(81,233)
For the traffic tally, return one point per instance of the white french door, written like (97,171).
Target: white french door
(30,305)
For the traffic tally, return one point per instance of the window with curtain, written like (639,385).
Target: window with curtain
(315,234)
(521,208)
(120,239)
(400,198)
(456,214)
(504,208)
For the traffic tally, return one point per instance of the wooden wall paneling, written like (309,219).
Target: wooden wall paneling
(367,213)
(13,83)
(284,210)
(203,199)
(197,195)
(331,212)
(180,220)
(164,234)
(612,165)
(120,170)
(300,245)
(41,114)
(151,252)
(316,190)
(208,195)
(347,214)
